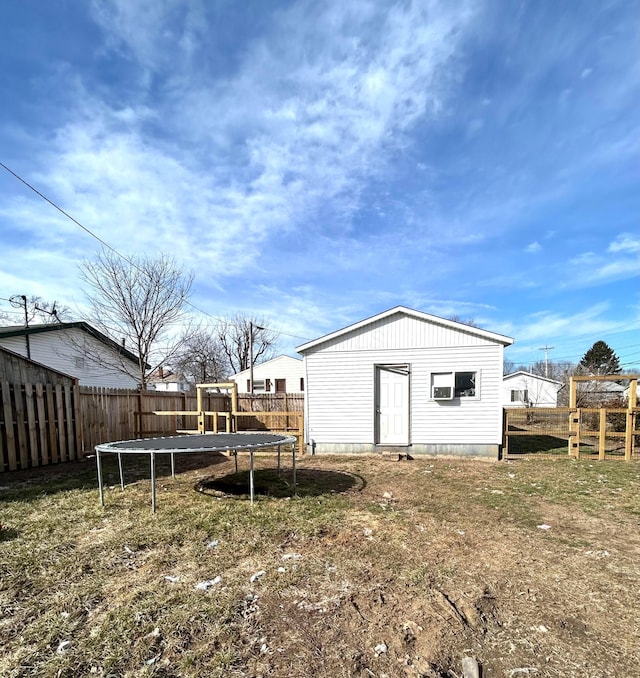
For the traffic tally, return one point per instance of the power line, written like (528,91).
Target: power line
(115,251)
(66,214)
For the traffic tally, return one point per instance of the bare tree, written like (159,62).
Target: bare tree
(241,336)
(508,366)
(136,300)
(458,319)
(201,357)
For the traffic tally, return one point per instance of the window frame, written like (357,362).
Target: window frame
(450,377)
(523,391)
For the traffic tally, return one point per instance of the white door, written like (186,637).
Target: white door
(392,404)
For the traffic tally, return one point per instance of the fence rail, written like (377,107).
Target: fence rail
(600,433)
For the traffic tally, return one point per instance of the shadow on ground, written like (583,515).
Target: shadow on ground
(309,483)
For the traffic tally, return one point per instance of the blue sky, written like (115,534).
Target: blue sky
(317,163)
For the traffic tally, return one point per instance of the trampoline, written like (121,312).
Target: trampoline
(225,444)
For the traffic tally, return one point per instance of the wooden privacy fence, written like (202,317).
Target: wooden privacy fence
(42,424)
(121,414)
(39,425)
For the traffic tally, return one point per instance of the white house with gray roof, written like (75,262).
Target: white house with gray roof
(76,349)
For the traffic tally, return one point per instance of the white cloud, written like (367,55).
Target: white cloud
(534,247)
(625,242)
(311,113)
(548,325)
(590,269)
(584,259)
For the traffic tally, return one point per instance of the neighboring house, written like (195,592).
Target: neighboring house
(406,381)
(17,369)
(165,380)
(283,374)
(524,389)
(76,349)
(599,393)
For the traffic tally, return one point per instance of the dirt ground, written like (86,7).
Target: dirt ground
(403,568)
(482,581)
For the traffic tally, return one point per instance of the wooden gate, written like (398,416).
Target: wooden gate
(581,432)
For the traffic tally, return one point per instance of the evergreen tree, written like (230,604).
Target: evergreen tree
(601,359)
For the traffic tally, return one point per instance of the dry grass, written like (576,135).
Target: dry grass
(425,560)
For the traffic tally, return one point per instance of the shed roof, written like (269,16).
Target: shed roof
(523,373)
(419,315)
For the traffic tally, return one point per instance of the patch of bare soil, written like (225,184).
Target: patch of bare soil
(420,577)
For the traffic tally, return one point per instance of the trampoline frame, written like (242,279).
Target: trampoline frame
(141,446)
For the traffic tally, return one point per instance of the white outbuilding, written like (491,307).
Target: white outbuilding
(283,374)
(405,381)
(524,389)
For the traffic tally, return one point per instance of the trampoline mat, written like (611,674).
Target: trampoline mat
(208,442)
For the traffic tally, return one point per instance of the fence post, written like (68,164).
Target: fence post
(632,403)
(575,417)
(199,408)
(505,433)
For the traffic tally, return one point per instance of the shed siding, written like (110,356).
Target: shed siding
(402,332)
(59,349)
(341,388)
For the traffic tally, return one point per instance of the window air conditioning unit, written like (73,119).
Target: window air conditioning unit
(442,392)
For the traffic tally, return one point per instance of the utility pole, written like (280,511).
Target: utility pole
(546,350)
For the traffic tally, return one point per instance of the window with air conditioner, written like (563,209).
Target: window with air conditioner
(450,385)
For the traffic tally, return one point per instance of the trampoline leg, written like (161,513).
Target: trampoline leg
(153,482)
(120,469)
(251,490)
(173,467)
(235,454)
(99,467)
(279,461)
(293,458)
